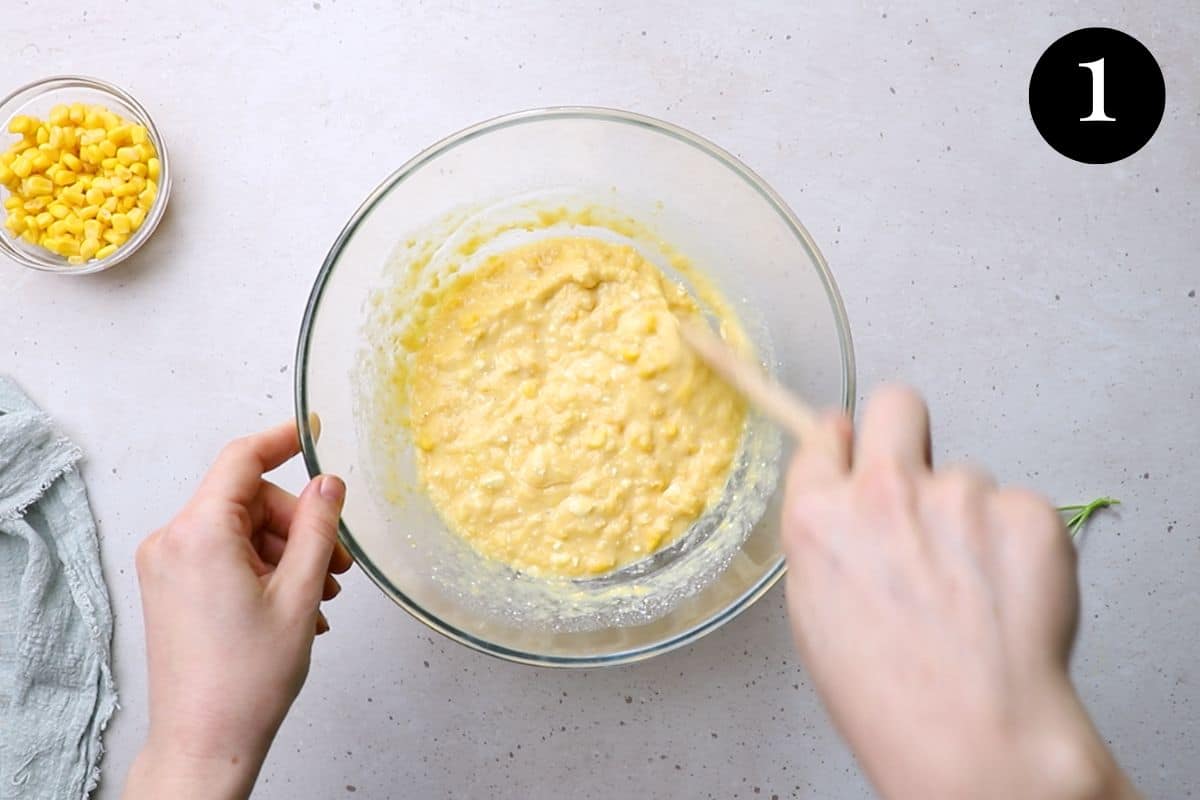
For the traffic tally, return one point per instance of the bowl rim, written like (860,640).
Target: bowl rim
(49,263)
(425,156)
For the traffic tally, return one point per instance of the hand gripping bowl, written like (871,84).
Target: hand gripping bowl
(552,172)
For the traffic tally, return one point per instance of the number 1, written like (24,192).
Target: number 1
(1097,69)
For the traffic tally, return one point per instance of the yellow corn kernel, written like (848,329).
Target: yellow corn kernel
(71,162)
(145,151)
(77,113)
(44,219)
(95,195)
(93,119)
(21,124)
(119,135)
(109,164)
(106,251)
(146,198)
(22,167)
(15,222)
(139,170)
(70,139)
(153,166)
(88,212)
(127,155)
(30,235)
(90,154)
(127,204)
(104,216)
(74,225)
(138,134)
(76,260)
(63,177)
(57,228)
(72,197)
(12,202)
(56,137)
(36,204)
(107,148)
(136,217)
(110,205)
(108,119)
(43,135)
(120,223)
(92,136)
(115,237)
(123,172)
(92,229)
(128,189)
(89,248)
(36,185)
(7,174)
(59,210)
(60,115)
(42,162)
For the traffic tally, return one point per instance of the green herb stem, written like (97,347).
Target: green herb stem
(1080,514)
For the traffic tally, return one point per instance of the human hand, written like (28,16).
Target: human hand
(231,590)
(935,613)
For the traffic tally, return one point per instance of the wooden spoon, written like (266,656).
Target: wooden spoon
(780,405)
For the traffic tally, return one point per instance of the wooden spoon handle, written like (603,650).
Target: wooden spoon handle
(790,412)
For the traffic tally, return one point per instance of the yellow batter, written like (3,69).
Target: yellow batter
(561,424)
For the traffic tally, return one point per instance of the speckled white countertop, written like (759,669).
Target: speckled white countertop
(1048,309)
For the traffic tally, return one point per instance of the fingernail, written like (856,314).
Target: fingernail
(322,624)
(332,488)
(314,425)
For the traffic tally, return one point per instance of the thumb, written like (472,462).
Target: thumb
(311,539)
(825,457)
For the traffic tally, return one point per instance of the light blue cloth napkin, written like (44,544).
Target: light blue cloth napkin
(56,685)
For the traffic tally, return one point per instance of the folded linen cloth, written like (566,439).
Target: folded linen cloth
(56,685)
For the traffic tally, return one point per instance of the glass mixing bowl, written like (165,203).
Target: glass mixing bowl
(672,187)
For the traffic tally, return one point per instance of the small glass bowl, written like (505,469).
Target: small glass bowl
(36,99)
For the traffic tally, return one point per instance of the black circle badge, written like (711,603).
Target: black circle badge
(1097,95)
